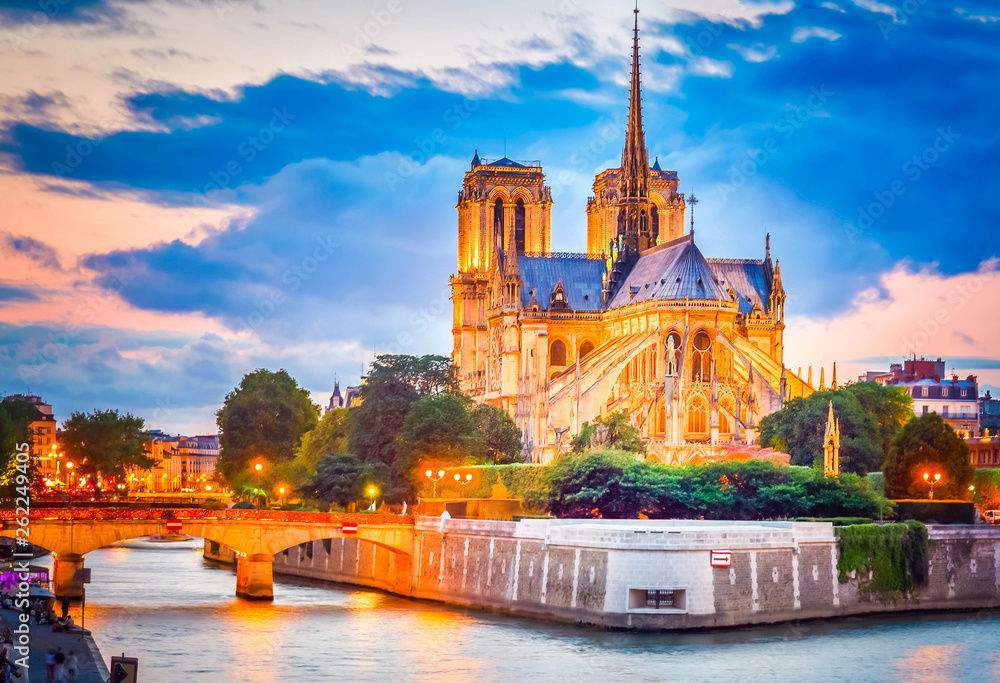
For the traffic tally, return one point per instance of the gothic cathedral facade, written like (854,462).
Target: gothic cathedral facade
(690,348)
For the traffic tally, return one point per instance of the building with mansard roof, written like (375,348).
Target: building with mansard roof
(691,348)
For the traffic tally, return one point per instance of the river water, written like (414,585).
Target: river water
(176,611)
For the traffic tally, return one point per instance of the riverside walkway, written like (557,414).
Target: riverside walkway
(92,667)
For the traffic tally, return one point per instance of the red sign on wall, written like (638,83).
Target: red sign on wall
(722,558)
(174,525)
(349,528)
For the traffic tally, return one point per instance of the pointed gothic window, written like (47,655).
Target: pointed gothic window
(701,370)
(654,223)
(585,349)
(498,222)
(698,417)
(519,225)
(557,354)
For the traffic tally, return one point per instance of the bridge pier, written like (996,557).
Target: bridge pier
(64,568)
(255,577)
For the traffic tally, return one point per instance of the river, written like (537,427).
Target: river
(177,613)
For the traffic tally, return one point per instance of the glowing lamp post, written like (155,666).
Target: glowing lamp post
(281,492)
(931,480)
(260,485)
(463,482)
(434,481)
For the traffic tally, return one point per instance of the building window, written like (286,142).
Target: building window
(498,222)
(923,392)
(926,408)
(585,349)
(698,418)
(557,353)
(963,392)
(702,366)
(654,222)
(519,225)
(656,598)
(944,392)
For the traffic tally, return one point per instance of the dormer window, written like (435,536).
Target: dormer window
(923,392)
(944,392)
(964,392)
(559,296)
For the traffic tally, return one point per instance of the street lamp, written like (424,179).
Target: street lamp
(928,479)
(260,485)
(463,482)
(371,494)
(282,492)
(434,480)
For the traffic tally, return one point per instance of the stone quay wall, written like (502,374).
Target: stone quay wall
(605,572)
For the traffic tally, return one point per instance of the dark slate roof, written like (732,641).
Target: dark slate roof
(751,280)
(505,162)
(656,165)
(673,271)
(581,277)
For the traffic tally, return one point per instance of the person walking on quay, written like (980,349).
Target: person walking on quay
(60,658)
(50,665)
(72,664)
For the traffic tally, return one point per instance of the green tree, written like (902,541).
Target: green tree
(15,420)
(263,418)
(927,444)
(390,388)
(501,437)
(105,443)
(610,432)
(343,479)
(439,427)
(798,429)
(891,407)
(328,437)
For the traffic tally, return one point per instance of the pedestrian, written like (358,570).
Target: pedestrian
(8,637)
(60,658)
(65,607)
(72,664)
(50,665)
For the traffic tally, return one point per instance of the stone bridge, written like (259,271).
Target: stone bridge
(255,535)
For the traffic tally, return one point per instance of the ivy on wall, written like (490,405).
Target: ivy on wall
(895,555)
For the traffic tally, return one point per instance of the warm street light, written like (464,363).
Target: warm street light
(260,485)
(929,480)
(434,480)
(463,482)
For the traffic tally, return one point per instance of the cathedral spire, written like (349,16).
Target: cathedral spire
(634,180)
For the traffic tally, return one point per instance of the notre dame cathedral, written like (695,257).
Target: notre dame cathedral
(689,348)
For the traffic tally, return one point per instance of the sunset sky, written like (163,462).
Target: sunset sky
(190,190)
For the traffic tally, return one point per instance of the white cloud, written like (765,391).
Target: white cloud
(704,66)
(981,18)
(875,6)
(755,53)
(804,33)
(834,7)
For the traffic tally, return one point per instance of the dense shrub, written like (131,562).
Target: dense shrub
(613,484)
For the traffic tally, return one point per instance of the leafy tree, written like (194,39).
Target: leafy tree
(438,426)
(798,429)
(501,437)
(105,443)
(927,444)
(390,388)
(611,432)
(263,418)
(15,420)
(890,406)
(344,479)
(328,437)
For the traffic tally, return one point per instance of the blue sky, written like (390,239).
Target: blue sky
(193,190)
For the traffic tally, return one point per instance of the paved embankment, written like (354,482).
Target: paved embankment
(92,666)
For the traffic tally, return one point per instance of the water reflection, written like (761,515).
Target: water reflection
(177,613)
